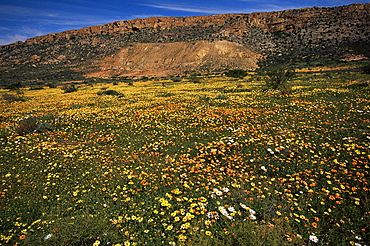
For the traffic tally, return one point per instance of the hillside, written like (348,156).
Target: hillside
(177,45)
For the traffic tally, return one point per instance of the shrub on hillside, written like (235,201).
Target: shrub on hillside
(366,69)
(14,86)
(360,85)
(51,85)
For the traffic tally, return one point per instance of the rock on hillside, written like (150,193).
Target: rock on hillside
(161,59)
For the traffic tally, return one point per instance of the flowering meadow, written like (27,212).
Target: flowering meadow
(218,162)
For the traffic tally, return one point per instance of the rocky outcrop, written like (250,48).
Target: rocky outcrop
(162,59)
(280,21)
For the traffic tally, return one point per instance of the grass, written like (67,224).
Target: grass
(210,163)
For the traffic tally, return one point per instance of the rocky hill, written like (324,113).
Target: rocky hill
(177,45)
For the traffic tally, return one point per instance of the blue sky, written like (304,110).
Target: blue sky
(22,19)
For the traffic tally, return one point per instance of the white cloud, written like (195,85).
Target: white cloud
(31,31)
(12,38)
(185,9)
(221,10)
(144,16)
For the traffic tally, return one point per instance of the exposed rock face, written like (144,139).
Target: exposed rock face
(281,21)
(35,58)
(161,59)
(172,45)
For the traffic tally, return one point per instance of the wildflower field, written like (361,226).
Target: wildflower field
(218,162)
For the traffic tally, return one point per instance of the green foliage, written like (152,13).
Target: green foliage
(36,87)
(51,85)
(110,93)
(365,85)
(278,78)
(44,127)
(26,126)
(69,88)
(222,97)
(236,73)
(32,124)
(12,97)
(14,86)
(176,79)
(195,78)
(242,233)
(366,69)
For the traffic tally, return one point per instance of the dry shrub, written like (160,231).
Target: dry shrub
(30,125)
(26,126)
(12,97)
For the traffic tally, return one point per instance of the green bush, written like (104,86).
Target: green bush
(236,73)
(278,78)
(360,85)
(366,69)
(36,87)
(109,93)
(51,85)
(195,79)
(69,88)
(26,126)
(30,125)
(176,79)
(12,97)
(14,86)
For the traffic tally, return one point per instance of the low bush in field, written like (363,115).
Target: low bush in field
(69,88)
(12,97)
(278,78)
(110,93)
(236,73)
(31,125)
